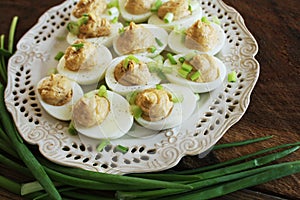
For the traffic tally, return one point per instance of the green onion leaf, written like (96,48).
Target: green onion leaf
(168,18)
(59,55)
(113,3)
(195,75)
(102,92)
(187,67)
(73,28)
(121,30)
(122,148)
(133,58)
(159,43)
(136,111)
(159,87)
(72,129)
(4,52)
(78,46)
(183,73)
(83,20)
(205,20)
(102,145)
(181,59)
(151,49)
(171,59)
(114,20)
(156,5)
(232,77)
(131,97)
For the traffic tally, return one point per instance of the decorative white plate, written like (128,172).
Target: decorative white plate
(216,112)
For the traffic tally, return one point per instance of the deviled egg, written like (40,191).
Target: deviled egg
(57,94)
(176,13)
(200,72)
(96,7)
(126,74)
(142,39)
(102,114)
(206,37)
(136,10)
(96,29)
(84,63)
(162,107)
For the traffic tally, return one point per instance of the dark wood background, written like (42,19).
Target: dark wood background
(275,102)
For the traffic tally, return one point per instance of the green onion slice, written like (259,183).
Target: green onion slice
(205,20)
(159,43)
(168,18)
(181,59)
(131,97)
(187,67)
(152,49)
(78,46)
(73,28)
(72,129)
(102,92)
(183,73)
(122,148)
(171,59)
(102,145)
(159,87)
(195,75)
(232,77)
(156,5)
(136,111)
(59,55)
(113,11)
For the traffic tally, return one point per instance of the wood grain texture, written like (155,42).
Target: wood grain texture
(275,102)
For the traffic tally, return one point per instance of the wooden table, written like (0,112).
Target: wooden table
(274,108)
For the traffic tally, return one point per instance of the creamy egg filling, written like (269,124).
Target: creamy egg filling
(135,39)
(56,90)
(89,6)
(137,7)
(156,104)
(201,36)
(178,8)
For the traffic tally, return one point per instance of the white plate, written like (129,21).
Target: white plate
(216,111)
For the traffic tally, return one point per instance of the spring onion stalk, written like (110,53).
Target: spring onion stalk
(15,166)
(195,76)
(187,67)
(84,195)
(168,18)
(235,160)
(159,43)
(159,87)
(232,77)
(241,143)
(59,55)
(78,46)
(156,5)
(121,148)
(246,182)
(71,129)
(24,153)
(171,59)
(102,92)
(3,72)
(31,187)
(205,20)
(45,196)
(181,59)
(4,52)
(102,145)
(4,137)
(6,148)
(11,36)
(73,28)
(10,185)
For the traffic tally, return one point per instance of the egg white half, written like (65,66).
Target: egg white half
(87,77)
(105,40)
(180,112)
(131,17)
(176,41)
(115,86)
(157,32)
(188,20)
(175,78)
(63,112)
(116,124)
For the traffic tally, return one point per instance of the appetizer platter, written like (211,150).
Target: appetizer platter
(120,87)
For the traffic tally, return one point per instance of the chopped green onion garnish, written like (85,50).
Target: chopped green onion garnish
(159,87)
(171,59)
(136,111)
(195,75)
(102,92)
(156,5)
(113,11)
(183,73)
(216,20)
(193,6)
(159,43)
(232,76)
(102,145)
(168,18)
(113,3)
(186,67)
(59,55)
(131,97)
(78,46)
(83,20)
(181,59)
(121,30)
(122,148)
(133,58)
(73,28)
(151,49)
(205,20)
(114,20)
(72,129)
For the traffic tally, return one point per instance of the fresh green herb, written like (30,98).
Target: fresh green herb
(171,59)
(4,52)
(113,3)
(102,92)
(156,5)
(183,73)
(205,20)
(72,129)
(59,55)
(195,75)
(151,49)
(121,30)
(159,87)
(73,28)
(78,46)
(136,111)
(232,77)
(187,67)
(181,59)
(114,20)
(83,20)
(131,97)
(168,18)
(193,5)
(159,43)
(130,58)
(11,35)
(122,148)
(102,145)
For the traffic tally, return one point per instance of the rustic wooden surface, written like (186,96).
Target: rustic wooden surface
(274,108)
